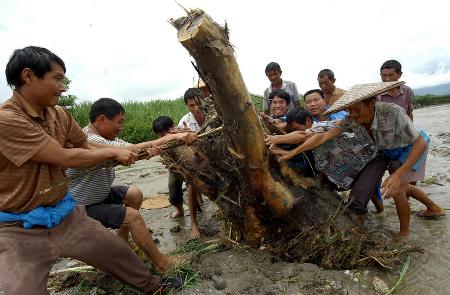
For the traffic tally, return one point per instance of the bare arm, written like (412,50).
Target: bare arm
(295,137)
(53,153)
(392,185)
(187,137)
(313,142)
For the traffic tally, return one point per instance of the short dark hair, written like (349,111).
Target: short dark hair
(281,94)
(273,66)
(326,72)
(298,115)
(313,91)
(369,100)
(105,106)
(38,59)
(392,64)
(162,124)
(192,93)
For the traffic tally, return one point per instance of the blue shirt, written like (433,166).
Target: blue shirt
(335,116)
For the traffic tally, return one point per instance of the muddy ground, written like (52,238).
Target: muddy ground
(241,270)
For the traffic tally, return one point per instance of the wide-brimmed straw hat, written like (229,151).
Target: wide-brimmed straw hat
(360,92)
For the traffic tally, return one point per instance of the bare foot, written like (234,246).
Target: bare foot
(402,237)
(195,233)
(177,214)
(167,262)
(431,214)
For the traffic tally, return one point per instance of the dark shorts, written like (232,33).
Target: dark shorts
(175,189)
(111,212)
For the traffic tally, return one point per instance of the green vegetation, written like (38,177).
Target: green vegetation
(428,100)
(140,115)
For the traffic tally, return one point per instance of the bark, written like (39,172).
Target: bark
(263,201)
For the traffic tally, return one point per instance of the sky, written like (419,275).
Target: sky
(127,50)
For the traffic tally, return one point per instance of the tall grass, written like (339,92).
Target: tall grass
(140,115)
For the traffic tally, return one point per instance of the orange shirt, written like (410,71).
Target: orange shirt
(23,133)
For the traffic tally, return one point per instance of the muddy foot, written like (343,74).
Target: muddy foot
(428,214)
(167,263)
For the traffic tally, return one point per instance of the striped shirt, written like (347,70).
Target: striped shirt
(95,186)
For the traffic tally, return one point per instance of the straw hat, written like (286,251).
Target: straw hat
(360,92)
(199,84)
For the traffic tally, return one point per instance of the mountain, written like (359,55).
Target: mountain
(441,89)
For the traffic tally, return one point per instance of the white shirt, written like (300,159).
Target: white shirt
(190,121)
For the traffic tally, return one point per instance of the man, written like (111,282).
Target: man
(163,126)
(273,73)
(403,95)
(316,104)
(40,221)
(193,120)
(326,81)
(386,126)
(347,154)
(280,100)
(117,207)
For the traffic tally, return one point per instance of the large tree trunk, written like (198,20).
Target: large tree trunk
(264,202)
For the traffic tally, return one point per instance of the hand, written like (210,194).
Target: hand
(392,186)
(153,151)
(265,117)
(181,130)
(188,137)
(124,156)
(271,140)
(276,121)
(282,155)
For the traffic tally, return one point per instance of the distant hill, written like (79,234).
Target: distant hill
(441,89)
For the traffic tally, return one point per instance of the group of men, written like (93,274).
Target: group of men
(43,217)
(354,137)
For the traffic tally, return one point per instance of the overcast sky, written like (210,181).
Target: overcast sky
(127,50)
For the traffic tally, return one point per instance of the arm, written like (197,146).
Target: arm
(392,185)
(313,142)
(266,108)
(296,96)
(410,115)
(187,137)
(295,137)
(53,153)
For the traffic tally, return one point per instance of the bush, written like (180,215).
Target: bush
(428,100)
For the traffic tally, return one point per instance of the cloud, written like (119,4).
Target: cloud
(128,50)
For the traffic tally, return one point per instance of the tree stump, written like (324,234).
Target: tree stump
(263,201)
